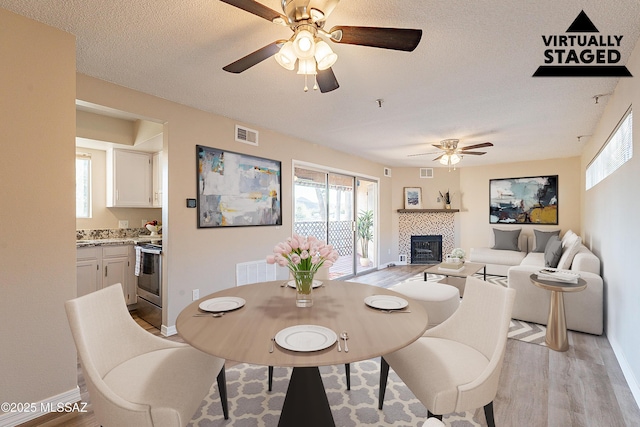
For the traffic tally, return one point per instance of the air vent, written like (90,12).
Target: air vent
(387,172)
(426,172)
(246,135)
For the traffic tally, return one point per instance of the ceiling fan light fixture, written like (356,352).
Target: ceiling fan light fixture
(444,159)
(324,55)
(454,158)
(316,15)
(286,57)
(303,44)
(307,66)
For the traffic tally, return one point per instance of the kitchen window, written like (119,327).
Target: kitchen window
(83,185)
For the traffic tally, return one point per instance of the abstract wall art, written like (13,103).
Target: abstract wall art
(530,200)
(236,190)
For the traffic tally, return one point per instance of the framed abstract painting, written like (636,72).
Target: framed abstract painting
(237,190)
(412,198)
(529,200)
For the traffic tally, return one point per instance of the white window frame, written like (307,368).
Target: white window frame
(83,192)
(614,153)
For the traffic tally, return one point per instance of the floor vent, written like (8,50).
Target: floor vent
(426,172)
(246,135)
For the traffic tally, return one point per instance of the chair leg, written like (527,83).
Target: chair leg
(222,388)
(347,370)
(488,414)
(270,378)
(430,415)
(384,374)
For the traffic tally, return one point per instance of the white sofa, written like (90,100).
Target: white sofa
(499,261)
(584,310)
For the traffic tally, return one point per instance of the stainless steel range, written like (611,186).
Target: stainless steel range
(149,283)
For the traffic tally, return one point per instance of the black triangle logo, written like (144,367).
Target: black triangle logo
(582,24)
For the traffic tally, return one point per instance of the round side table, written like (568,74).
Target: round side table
(557,324)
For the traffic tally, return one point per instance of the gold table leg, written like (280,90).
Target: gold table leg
(557,324)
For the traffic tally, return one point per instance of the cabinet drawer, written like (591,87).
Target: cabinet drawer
(92,252)
(115,251)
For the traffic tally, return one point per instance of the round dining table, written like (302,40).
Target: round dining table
(247,335)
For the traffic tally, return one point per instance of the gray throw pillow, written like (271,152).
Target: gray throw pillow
(542,237)
(552,252)
(506,239)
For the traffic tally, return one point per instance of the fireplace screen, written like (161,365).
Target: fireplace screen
(426,249)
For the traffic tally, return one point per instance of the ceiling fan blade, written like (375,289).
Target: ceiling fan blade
(438,158)
(419,154)
(254,58)
(438,146)
(387,38)
(327,80)
(471,147)
(256,8)
(473,153)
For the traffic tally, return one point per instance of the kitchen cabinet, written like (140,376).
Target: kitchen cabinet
(157,179)
(129,179)
(100,266)
(89,270)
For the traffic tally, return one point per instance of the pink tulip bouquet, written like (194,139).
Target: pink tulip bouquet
(300,253)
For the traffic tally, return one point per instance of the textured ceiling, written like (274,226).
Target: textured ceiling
(470,77)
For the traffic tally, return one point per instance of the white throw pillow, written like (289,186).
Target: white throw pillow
(569,251)
(567,238)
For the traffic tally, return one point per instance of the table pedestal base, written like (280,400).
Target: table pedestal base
(556,324)
(306,402)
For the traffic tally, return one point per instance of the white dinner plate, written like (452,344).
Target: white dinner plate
(316,283)
(222,304)
(306,338)
(386,302)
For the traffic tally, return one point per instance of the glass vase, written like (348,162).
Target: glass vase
(304,285)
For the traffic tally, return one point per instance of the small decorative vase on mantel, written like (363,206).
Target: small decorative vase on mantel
(447,205)
(304,286)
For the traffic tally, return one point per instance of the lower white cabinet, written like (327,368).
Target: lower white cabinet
(101,266)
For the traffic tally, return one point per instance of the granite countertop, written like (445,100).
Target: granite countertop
(82,243)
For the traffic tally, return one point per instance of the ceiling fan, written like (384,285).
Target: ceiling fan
(452,153)
(306,18)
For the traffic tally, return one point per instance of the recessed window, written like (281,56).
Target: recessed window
(616,152)
(83,186)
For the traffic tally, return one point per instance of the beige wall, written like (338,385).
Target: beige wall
(37,211)
(611,227)
(474,189)
(205,258)
(101,216)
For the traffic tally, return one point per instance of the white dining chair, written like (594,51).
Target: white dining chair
(456,365)
(433,422)
(135,378)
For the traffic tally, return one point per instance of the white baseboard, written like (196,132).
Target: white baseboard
(44,407)
(167,331)
(632,381)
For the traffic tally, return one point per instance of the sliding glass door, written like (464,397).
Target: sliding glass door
(326,206)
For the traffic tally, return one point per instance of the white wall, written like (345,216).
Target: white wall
(611,228)
(37,211)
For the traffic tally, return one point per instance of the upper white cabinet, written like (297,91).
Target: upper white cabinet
(157,180)
(129,179)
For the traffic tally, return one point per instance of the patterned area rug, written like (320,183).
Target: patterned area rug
(252,405)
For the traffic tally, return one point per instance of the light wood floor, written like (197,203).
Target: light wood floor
(538,387)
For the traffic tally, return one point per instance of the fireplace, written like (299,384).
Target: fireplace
(426,249)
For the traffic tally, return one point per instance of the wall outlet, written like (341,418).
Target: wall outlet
(123,223)
(195,294)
